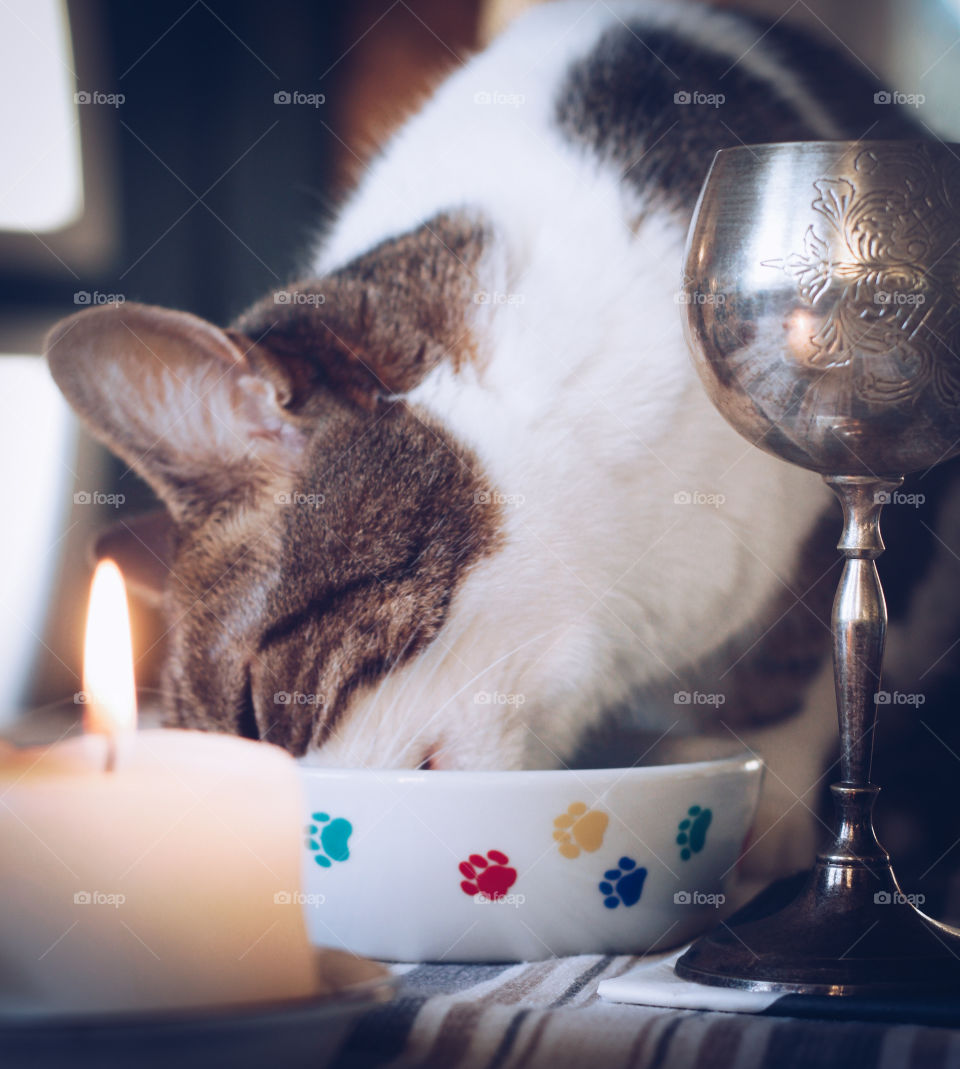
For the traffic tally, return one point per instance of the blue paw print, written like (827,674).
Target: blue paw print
(333,837)
(623,884)
(692,832)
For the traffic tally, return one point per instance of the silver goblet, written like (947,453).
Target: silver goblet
(822,309)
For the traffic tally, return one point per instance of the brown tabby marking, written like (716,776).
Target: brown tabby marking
(347,584)
(387,318)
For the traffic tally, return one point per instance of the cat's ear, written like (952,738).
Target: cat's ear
(377,326)
(196,411)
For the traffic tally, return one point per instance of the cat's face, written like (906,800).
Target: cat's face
(320,526)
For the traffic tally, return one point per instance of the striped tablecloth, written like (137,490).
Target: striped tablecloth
(547,1015)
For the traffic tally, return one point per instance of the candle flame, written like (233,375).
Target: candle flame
(108,684)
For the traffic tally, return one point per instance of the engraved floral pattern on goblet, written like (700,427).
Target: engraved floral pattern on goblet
(881,267)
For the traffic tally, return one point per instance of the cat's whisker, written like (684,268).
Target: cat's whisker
(403,686)
(445,650)
(473,679)
(373,706)
(388,675)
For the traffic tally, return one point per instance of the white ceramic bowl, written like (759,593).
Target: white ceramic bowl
(506,866)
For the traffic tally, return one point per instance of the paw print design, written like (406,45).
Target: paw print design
(483,878)
(329,839)
(580,829)
(692,831)
(623,884)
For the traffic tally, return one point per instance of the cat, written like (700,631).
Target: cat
(457,500)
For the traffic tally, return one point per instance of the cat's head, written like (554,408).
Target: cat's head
(319,523)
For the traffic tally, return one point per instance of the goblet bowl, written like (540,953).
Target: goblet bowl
(822,301)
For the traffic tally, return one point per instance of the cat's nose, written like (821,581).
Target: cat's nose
(431,759)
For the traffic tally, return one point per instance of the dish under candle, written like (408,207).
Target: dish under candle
(502,866)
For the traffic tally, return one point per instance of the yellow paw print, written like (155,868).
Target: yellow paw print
(580,829)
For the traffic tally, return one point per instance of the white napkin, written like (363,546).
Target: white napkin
(654,983)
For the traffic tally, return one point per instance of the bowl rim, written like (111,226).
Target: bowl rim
(745,762)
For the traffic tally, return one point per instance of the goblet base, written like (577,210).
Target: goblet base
(849,931)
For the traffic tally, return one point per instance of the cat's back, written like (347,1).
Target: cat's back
(575,99)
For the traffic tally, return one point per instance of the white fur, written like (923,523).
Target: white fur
(585,407)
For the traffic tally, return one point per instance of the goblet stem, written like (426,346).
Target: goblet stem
(849,929)
(859,621)
(859,630)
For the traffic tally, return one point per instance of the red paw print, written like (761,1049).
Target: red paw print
(482,878)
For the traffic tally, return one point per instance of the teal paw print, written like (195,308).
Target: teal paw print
(329,839)
(692,832)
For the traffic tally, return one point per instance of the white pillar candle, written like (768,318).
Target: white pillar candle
(171,880)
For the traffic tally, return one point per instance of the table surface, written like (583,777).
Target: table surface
(548,1014)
